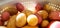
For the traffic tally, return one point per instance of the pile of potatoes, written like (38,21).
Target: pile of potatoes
(19,17)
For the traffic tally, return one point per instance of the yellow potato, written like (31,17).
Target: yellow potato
(45,23)
(11,22)
(32,20)
(20,20)
(30,27)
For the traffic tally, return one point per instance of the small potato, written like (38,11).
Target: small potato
(3,27)
(5,16)
(30,26)
(19,7)
(32,20)
(20,20)
(45,23)
(11,22)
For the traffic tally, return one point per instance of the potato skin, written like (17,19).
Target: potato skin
(11,22)
(20,20)
(43,14)
(5,16)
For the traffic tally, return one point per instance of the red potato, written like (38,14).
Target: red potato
(39,18)
(55,15)
(19,7)
(32,20)
(54,24)
(11,22)
(5,16)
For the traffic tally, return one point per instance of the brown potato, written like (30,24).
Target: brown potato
(5,16)
(55,15)
(20,7)
(11,22)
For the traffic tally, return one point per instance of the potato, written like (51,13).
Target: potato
(20,20)
(3,27)
(11,22)
(5,16)
(20,7)
(45,23)
(32,20)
